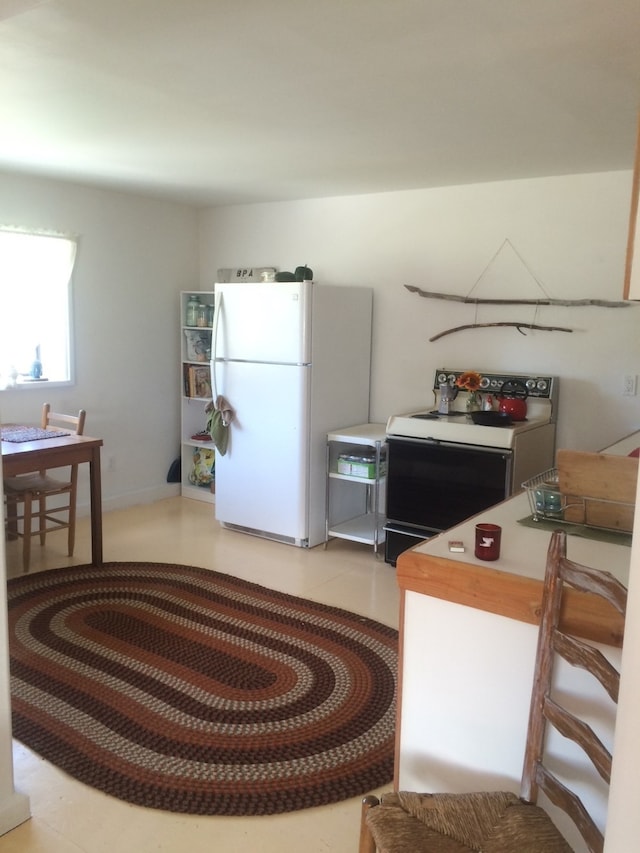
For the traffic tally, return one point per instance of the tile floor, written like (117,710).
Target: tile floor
(69,817)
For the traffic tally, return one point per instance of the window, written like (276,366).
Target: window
(35,307)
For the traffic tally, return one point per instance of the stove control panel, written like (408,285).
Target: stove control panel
(542,387)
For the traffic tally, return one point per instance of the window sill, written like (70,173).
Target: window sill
(37,383)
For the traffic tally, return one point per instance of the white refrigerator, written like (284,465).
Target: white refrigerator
(292,359)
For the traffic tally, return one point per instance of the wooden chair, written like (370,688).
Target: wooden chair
(33,491)
(406,822)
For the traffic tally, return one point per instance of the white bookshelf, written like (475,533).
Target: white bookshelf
(197,457)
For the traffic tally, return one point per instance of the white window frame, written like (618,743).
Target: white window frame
(27,308)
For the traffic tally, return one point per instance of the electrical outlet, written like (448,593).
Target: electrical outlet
(111,463)
(629,385)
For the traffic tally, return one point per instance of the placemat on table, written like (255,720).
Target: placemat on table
(18,434)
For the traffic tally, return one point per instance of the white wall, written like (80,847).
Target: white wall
(569,231)
(135,254)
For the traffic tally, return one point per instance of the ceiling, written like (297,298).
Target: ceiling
(219,102)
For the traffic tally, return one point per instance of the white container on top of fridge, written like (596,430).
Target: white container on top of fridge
(293,361)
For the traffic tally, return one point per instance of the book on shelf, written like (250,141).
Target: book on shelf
(198,382)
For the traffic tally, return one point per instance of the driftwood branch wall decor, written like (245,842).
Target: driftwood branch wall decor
(543,300)
(518,326)
(470,300)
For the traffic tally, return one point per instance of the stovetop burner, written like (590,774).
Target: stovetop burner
(432,416)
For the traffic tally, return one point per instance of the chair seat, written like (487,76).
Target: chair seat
(35,482)
(489,822)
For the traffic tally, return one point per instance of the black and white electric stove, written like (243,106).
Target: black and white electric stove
(443,468)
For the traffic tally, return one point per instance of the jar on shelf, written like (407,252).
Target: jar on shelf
(202,315)
(191,316)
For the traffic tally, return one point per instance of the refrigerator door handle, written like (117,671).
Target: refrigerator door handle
(214,345)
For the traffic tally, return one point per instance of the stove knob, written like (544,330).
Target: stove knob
(485,382)
(542,385)
(452,379)
(442,378)
(531,384)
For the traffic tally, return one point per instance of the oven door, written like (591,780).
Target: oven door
(434,485)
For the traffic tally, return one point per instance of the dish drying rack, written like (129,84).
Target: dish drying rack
(549,500)
(545,498)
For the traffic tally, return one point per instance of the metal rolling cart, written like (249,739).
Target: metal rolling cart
(356,475)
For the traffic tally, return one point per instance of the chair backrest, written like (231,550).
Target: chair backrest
(547,709)
(53,419)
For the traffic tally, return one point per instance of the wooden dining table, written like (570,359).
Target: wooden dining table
(25,457)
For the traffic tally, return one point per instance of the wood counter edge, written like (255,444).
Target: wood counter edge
(504,594)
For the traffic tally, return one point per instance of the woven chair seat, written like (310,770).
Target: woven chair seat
(36,482)
(495,822)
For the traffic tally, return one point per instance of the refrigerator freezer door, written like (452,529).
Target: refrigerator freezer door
(262,481)
(267,322)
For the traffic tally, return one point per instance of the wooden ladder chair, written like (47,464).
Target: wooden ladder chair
(501,822)
(33,491)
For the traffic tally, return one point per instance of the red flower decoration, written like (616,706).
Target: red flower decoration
(469,380)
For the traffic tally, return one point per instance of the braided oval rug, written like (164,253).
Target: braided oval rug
(183,689)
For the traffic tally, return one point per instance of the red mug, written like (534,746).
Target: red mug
(488,541)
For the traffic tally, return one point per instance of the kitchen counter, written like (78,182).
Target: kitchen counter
(467,651)
(512,585)
(625,445)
